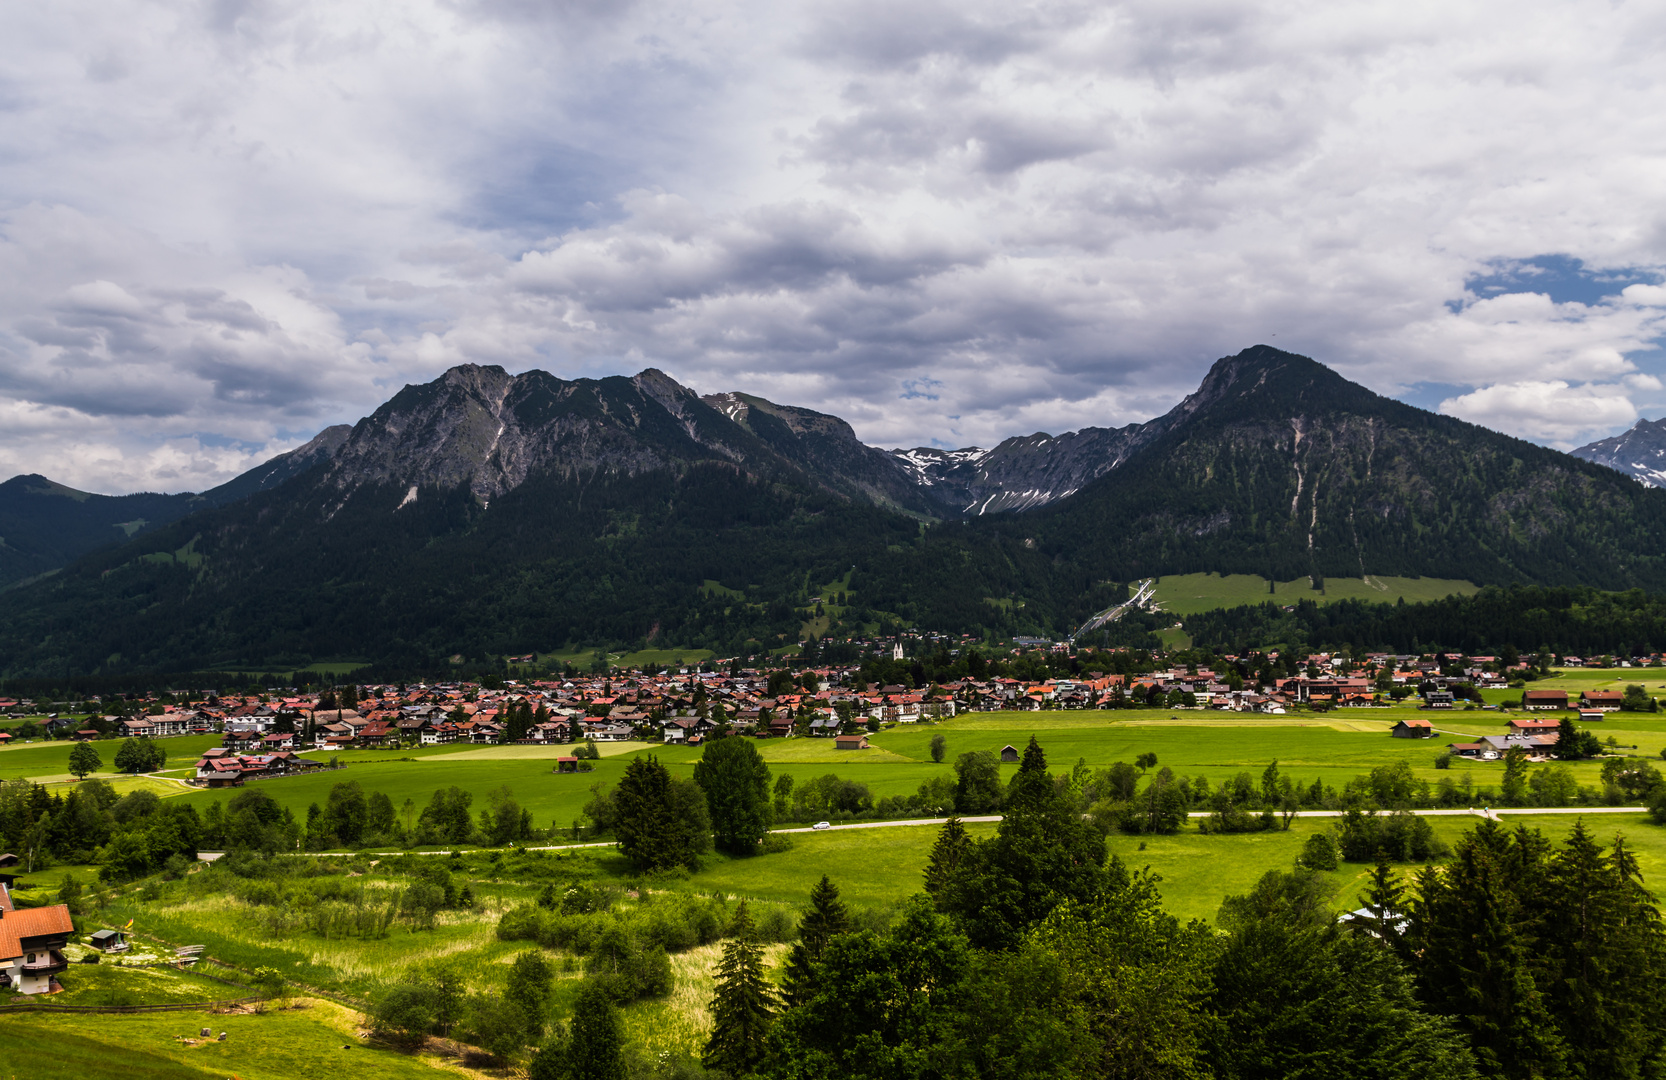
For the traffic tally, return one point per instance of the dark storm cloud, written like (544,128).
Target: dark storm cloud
(948,222)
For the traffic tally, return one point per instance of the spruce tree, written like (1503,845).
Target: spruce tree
(1602,938)
(1477,959)
(648,832)
(1385,899)
(744,1005)
(594,1050)
(946,855)
(827,918)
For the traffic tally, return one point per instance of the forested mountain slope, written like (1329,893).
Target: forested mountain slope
(1280,467)
(485,513)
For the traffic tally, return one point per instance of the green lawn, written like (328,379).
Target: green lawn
(1186,594)
(1335,746)
(40,759)
(317,1042)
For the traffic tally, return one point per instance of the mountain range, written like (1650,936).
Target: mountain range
(485,514)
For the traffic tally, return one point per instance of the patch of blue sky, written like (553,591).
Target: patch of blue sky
(1563,278)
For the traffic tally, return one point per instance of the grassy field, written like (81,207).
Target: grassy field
(1186,594)
(1335,746)
(336,668)
(582,659)
(40,758)
(315,1041)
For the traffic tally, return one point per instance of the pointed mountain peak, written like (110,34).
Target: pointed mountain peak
(1264,380)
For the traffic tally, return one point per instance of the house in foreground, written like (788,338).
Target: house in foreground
(31,944)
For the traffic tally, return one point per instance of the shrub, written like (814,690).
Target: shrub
(1319,853)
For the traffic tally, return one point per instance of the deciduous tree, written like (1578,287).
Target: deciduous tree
(736,782)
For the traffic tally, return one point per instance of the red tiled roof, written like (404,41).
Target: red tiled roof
(31,922)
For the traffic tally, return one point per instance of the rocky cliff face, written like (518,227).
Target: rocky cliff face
(1022,473)
(490,431)
(1639,453)
(1030,471)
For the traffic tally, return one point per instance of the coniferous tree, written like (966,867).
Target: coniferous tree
(1477,961)
(827,918)
(1603,940)
(594,1049)
(952,845)
(1043,853)
(652,834)
(743,1008)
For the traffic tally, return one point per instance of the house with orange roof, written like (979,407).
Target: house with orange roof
(31,943)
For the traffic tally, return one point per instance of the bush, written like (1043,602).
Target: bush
(1398,837)
(406,1012)
(1319,853)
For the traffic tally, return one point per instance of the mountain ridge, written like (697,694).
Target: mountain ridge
(486,514)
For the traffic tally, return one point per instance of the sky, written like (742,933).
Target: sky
(225,225)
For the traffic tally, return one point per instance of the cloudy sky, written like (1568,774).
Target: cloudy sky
(224,225)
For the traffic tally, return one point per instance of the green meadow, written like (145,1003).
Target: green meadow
(317,1040)
(1188,594)
(1335,747)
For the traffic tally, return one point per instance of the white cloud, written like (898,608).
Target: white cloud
(234,223)
(1555,412)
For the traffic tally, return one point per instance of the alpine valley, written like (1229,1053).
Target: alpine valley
(488,514)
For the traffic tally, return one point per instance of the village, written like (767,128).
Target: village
(266,735)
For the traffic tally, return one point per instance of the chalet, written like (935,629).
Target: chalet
(850,742)
(1527,726)
(1544,700)
(241,739)
(1009,754)
(31,943)
(1601,700)
(550,731)
(1439,699)
(1413,729)
(376,733)
(419,728)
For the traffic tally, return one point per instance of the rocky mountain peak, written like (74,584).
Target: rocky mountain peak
(1639,453)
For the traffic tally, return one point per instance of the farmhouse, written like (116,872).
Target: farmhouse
(1601,700)
(1524,726)
(1544,699)
(1413,729)
(30,944)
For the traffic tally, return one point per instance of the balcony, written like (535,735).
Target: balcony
(49,962)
